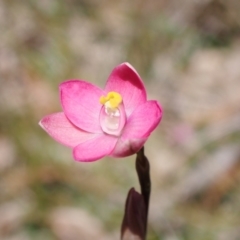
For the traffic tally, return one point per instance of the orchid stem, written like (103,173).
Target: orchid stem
(143,171)
(134,225)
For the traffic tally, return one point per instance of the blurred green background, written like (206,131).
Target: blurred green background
(188,54)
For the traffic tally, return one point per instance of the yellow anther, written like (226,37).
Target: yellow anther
(113,98)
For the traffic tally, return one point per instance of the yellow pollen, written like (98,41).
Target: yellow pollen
(113,98)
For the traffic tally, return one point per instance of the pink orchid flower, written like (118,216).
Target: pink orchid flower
(114,121)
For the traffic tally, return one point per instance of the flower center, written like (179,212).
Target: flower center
(112,115)
(113,99)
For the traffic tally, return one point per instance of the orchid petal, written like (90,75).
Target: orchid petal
(125,80)
(94,149)
(62,130)
(143,121)
(125,147)
(80,102)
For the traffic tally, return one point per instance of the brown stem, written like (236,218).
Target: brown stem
(134,225)
(143,171)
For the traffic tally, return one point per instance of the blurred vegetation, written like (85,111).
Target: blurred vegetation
(188,55)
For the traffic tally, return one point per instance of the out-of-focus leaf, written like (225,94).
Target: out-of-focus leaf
(133,226)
